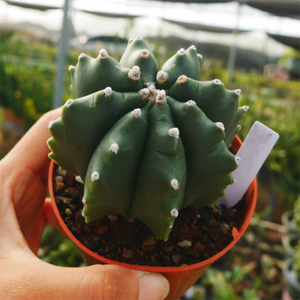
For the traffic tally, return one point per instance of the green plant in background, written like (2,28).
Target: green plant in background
(297,213)
(27,72)
(59,250)
(296,265)
(276,104)
(146,142)
(223,283)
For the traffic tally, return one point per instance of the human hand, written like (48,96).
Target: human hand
(23,216)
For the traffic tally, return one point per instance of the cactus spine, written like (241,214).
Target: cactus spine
(146,142)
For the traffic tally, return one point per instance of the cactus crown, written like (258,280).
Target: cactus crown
(146,142)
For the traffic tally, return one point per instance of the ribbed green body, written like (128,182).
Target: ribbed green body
(145,142)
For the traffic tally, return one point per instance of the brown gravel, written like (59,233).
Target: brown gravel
(201,232)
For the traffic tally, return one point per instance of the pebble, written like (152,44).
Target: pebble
(59,186)
(68,212)
(102,229)
(70,176)
(78,179)
(130,220)
(176,258)
(199,247)
(61,172)
(184,244)
(59,178)
(225,228)
(113,218)
(127,253)
(149,243)
(167,247)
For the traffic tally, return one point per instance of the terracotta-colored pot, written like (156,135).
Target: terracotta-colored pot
(180,278)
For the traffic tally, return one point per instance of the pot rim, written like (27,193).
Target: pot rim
(237,234)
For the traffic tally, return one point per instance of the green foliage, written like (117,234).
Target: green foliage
(296,265)
(59,250)
(145,152)
(27,73)
(223,284)
(297,213)
(276,104)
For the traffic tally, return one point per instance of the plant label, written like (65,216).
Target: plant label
(253,152)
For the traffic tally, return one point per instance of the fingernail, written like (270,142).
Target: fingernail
(153,286)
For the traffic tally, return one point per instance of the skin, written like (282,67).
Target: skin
(25,213)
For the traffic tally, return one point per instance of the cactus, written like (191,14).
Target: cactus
(146,142)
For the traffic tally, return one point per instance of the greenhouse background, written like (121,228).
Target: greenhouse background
(251,45)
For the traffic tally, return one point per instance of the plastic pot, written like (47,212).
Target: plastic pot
(292,286)
(180,278)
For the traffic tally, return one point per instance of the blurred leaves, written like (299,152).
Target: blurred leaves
(59,250)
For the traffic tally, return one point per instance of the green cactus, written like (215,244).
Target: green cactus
(146,142)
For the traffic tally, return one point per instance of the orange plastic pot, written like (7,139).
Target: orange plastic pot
(180,278)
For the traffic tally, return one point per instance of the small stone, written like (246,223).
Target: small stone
(78,179)
(113,218)
(130,220)
(59,186)
(167,246)
(184,244)
(61,172)
(70,176)
(59,178)
(199,247)
(68,212)
(225,228)
(176,258)
(149,243)
(127,253)
(102,229)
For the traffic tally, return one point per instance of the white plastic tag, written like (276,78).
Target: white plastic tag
(254,151)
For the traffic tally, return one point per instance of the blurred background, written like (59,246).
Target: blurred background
(252,45)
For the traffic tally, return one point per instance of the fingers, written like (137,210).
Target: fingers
(32,151)
(49,216)
(45,281)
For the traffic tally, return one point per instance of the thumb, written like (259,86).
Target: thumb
(45,281)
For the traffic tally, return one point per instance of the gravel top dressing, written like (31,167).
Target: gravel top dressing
(197,234)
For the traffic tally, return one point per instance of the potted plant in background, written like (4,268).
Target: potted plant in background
(291,218)
(291,273)
(144,158)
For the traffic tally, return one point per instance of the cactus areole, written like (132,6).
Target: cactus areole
(146,142)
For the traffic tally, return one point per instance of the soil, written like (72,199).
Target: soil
(197,234)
